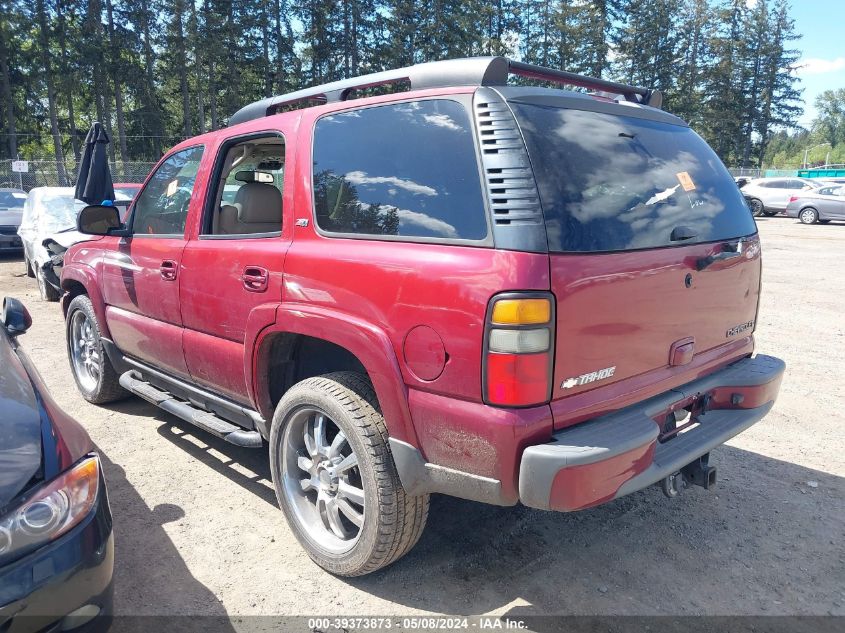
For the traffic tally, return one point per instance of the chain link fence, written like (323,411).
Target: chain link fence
(45,173)
(745,172)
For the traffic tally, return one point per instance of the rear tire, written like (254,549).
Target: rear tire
(47,292)
(757,207)
(808,216)
(29,272)
(92,370)
(335,478)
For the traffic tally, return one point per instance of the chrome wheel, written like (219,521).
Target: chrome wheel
(322,481)
(84,351)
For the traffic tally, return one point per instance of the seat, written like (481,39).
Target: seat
(227,223)
(257,209)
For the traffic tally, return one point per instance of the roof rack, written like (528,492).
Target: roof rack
(472,71)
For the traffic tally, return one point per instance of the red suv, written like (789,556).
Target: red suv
(502,293)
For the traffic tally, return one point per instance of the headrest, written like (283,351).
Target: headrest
(259,203)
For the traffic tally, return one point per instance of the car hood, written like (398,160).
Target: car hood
(68,238)
(20,425)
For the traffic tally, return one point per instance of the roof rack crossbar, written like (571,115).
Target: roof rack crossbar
(573,79)
(474,71)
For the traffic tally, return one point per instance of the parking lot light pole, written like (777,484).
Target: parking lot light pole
(809,149)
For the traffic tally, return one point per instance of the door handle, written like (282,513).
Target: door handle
(168,270)
(255,278)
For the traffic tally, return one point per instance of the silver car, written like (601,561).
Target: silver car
(819,205)
(769,196)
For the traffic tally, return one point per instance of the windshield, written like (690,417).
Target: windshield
(57,213)
(10,199)
(125,193)
(615,183)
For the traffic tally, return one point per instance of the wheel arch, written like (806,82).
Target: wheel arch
(306,341)
(78,280)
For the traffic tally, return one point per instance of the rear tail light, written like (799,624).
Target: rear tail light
(518,349)
(793,198)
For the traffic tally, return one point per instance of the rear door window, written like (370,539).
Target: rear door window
(617,183)
(407,171)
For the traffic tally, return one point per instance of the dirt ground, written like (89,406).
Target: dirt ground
(198,530)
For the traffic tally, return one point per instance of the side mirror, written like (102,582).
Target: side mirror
(97,219)
(16,319)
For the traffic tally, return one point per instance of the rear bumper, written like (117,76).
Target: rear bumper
(617,454)
(10,243)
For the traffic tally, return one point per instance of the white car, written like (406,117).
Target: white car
(769,196)
(47,210)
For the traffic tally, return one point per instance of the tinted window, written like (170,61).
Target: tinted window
(407,170)
(12,199)
(797,184)
(610,183)
(774,184)
(162,207)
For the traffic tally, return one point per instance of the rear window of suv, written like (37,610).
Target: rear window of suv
(406,170)
(617,183)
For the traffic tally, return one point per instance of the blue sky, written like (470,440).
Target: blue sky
(822,46)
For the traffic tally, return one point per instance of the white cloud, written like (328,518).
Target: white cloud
(406,216)
(361,178)
(438,227)
(818,66)
(442,120)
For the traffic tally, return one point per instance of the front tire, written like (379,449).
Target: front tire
(45,289)
(335,478)
(29,272)
(92,370)
(808,216)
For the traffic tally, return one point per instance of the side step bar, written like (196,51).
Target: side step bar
(186,411)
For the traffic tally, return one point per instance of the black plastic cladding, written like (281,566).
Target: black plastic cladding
(473,71)
(514,202)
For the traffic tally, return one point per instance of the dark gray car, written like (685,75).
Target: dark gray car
(11,209)
(819,205)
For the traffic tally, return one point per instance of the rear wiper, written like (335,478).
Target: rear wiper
(681,233)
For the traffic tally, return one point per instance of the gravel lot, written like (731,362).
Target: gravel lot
(198,530)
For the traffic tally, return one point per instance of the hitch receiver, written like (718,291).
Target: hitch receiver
(700,473)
